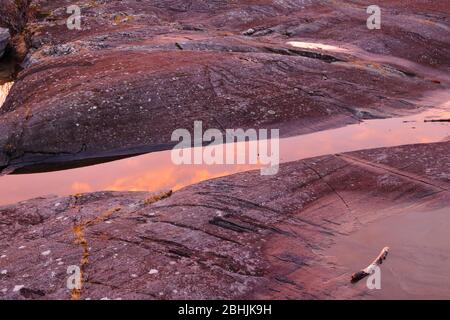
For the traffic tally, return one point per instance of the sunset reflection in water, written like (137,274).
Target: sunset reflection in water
(155,171)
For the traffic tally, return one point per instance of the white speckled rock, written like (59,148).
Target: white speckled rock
(4,39)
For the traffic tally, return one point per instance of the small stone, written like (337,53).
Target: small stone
(153,271)
(46,253)
(249,32)
(18,287)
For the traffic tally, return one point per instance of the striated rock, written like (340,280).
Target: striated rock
(4,39)
(14,14)
(162,65)
(241,236)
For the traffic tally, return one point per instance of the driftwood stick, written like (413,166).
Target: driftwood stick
(357,276)
(437,120)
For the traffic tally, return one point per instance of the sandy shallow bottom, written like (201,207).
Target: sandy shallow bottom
(418,265)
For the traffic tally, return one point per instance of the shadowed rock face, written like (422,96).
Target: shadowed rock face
(241,236)
(4,39)
(14,14)
(161,65)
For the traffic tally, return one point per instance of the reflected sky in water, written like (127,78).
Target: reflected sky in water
(155,171)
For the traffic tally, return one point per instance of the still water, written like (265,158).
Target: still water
(155,171)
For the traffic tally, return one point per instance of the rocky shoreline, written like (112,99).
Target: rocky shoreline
(138,70)
(228,65)
(241,236)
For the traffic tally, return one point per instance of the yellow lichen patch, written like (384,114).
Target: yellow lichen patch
(41,14)
(157,197)
(78,231)
(93,3)
(102,217)
(75,294)
(122,18)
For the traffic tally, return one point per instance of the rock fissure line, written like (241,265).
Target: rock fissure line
(79,229)
(379,167)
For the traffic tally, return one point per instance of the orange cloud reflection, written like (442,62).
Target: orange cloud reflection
(80,187)
(172,177)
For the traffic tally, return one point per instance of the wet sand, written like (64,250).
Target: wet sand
(418,265)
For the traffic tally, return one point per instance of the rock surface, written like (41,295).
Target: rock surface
(4,39)
(241,236)
(161,65)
